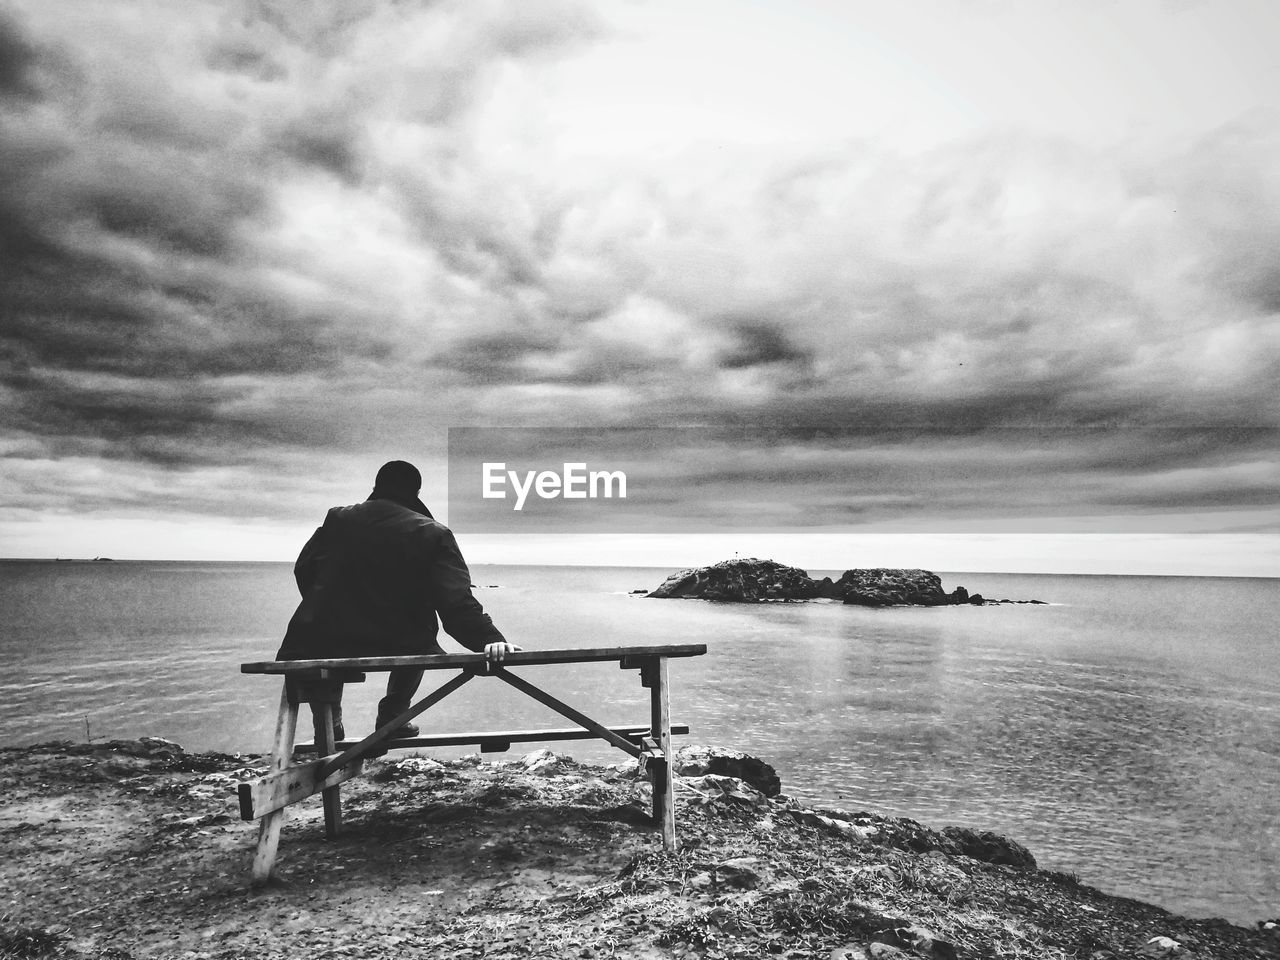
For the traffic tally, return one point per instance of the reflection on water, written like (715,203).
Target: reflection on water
(1128,733)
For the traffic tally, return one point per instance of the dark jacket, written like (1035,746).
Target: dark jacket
(373,578)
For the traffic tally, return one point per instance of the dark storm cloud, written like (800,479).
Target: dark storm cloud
(759,343)
(499,357)
(332,147)
(229,238)
(17,60)
(134,233)
(928,296)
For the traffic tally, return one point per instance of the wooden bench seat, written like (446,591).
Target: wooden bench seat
(628,658)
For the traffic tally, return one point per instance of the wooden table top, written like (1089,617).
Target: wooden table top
(442,661)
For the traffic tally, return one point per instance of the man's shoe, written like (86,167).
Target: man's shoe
(405,731)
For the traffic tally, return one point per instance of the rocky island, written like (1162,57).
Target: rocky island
(754,581)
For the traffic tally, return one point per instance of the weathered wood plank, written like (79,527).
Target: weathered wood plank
(321,673)
(277,790)
(632,733)
(664,794)
(322,719)
(444,661)
(264,856)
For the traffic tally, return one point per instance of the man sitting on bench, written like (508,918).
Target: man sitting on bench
(373,577)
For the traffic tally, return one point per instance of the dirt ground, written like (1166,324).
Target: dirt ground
(135,849)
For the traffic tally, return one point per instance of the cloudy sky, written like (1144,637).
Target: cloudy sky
(1017,259)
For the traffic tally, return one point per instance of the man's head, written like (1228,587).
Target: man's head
(398,477)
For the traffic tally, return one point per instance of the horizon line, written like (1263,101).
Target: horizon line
(647,566)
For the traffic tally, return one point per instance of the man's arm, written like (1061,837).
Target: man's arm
(461,614)
(304,571)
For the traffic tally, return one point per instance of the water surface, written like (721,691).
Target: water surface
(1129,732)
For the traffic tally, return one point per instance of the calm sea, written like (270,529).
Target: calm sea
(1130,732)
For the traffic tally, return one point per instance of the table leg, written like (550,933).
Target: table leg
(326,744)
(664,796)
(282,752)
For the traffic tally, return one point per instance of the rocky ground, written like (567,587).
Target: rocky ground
(749,580)
(134,849)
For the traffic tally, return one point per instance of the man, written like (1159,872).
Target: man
(373,578)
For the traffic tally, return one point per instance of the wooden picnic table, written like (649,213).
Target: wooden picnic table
(320,683)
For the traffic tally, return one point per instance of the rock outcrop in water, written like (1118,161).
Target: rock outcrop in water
(751,581)
(741,581)
(881,587)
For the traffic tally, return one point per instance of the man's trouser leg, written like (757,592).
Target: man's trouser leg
(339,729)
(402,684)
